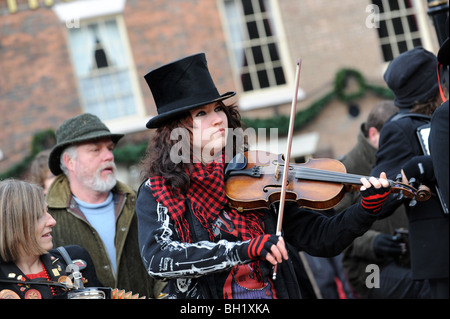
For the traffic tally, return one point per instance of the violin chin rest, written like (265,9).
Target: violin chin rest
(239,162)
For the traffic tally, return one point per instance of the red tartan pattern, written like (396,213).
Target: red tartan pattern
(207,197)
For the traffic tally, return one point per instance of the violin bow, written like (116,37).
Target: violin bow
(287,157)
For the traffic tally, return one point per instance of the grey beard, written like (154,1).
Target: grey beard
(97,184)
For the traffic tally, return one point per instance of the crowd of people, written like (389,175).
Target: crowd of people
(177,236)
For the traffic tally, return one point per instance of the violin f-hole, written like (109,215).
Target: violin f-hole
(266,188)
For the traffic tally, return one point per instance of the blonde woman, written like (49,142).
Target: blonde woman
(28,265)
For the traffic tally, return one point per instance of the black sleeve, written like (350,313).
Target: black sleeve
(398,143)
(165,256)
(325,235)
(439,148)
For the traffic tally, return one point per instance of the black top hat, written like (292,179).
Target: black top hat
(180,86)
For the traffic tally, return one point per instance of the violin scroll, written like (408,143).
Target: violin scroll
(420,194)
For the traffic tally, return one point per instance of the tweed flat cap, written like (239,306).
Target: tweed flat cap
(81,128)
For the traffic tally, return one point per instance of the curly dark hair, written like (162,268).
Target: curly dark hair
(428,107)
(157,160)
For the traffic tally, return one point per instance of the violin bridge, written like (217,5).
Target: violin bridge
(277,172)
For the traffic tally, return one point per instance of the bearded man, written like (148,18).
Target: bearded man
(94,210)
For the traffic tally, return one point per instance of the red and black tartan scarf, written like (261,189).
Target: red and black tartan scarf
(207,198)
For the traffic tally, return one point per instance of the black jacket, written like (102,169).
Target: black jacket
(56,268)
(428,226)
(439,148)
(193,268)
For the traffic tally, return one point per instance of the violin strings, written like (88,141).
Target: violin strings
(320,175)
(316,174)
(329,176)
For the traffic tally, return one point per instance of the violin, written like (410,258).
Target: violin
(254,181)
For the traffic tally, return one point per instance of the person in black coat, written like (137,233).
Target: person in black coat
(434,168)
(15,284)
(189,235)
(440,149)
(438,140)
(413,79)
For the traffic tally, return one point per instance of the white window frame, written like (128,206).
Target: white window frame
(74,13)
(271,96)
(392,39)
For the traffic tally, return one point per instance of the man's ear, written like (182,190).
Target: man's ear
(68,161)
(374,136)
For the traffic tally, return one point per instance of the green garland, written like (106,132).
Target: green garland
(340,84)
(305,116)
(132,153)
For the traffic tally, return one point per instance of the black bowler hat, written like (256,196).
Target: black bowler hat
(181,86)
(412,77)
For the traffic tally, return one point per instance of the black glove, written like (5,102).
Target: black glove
(258,247)
(388,246)
(373,198)
(421,168)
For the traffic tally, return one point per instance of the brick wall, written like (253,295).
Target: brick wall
(330,35)
(37,88)
(161,31)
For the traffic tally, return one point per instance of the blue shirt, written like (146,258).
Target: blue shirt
(101,217)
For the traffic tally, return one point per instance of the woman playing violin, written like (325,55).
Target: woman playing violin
(188,234)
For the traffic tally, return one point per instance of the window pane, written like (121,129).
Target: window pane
(273,52)
(128,103)
(382,30)
(408,3)
(106,84)
(87,88)
(262,5)
(393,5)
(104,88)
(112,109)
(257,55)
(398,27)
(402,46)
(123,82)
(245,62)
(379,4)
(254,45)
(412,23)
(267,28)
(387,52)
(248,7)
(263,79)
(252,30)
(417,42)
(247,82)
(398,30)
(279,76)
(95,109)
